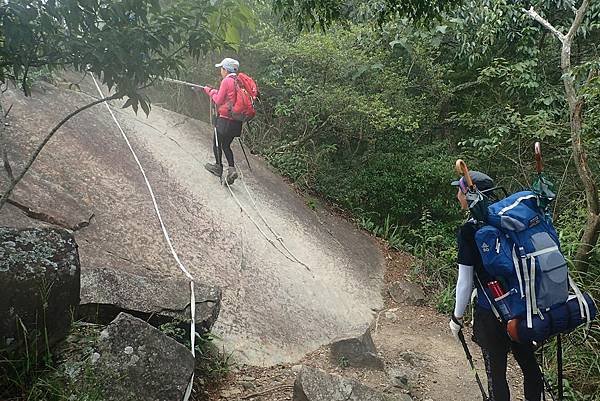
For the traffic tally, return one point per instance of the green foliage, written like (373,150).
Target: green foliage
(353,124)
(581,363)
(310,14)
(39,376)
(372,114)
(128,44)
(212,364)
(444,302)
(388,231)
(343,362)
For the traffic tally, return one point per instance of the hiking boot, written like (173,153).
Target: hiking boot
(214,168)
(231,175)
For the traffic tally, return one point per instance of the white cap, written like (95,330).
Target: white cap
(229,64)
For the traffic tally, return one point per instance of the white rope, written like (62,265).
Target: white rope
(167,239)
(235,198)
(279,237)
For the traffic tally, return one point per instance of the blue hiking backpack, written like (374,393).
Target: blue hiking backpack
(520,249)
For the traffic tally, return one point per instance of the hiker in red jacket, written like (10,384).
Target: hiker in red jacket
(227,127)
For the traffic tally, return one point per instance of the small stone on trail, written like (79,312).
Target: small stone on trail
(399,378)
(389,315)
(316,385)
(411,358)
(231,393)
(358,352)
(404,292)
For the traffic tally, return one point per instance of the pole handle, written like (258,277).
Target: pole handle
(461,168)
(539,163)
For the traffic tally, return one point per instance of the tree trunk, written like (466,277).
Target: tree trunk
(592,226)
(13,183)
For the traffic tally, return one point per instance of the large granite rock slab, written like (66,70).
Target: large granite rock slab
(158,300)
(39,284)
(137,362)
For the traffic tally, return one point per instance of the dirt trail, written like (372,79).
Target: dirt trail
(414,342)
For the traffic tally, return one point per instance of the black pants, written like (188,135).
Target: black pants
(227,130)
(495,344)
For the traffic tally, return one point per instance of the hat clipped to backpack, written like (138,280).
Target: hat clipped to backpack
(482,181)
(473,184)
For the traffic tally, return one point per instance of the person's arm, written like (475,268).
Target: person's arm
(220,96)
(464,288)
(464,283)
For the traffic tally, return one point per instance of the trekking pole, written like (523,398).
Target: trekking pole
(217,144)
(547,384)
(461,337)
(244,150)
(176,81)
(559,367)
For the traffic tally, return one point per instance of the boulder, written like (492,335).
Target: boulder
(315,385)
(39,283)
(405,292)
(137,362)
(158,300)
(358,352)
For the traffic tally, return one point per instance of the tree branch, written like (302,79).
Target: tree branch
(8,111)
(579,15)
(534,15)
(37,151)
(32,214)
(6,163)
(7,166)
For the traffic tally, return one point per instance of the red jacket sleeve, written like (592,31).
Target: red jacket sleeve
(220,96)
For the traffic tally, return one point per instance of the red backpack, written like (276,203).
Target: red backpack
(246,93)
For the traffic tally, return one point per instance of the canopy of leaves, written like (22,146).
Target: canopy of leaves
(128,43)
(308,14)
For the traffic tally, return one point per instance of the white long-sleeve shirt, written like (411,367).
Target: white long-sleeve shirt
(464,288)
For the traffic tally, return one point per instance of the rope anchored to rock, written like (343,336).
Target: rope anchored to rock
(167,239)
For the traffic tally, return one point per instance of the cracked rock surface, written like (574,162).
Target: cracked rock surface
(273,309)
(137,362)
(106,292)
